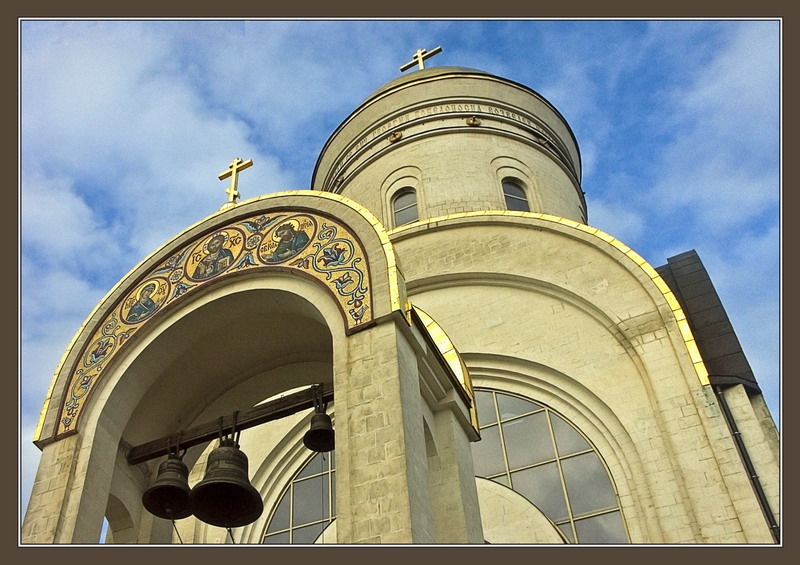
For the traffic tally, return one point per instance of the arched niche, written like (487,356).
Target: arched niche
(242,345)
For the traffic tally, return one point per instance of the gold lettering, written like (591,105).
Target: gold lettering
(379,131)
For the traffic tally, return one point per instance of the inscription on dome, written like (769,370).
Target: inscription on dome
(419,115)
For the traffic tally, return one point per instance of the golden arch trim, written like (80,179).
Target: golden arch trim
(680,318)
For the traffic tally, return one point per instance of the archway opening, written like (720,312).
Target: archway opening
(228,355)
(220,359)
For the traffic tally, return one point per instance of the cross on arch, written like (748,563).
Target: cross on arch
(419,58)
(236,166)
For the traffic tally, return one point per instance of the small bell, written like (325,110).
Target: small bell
(168,497)
(225,496)
(320,435)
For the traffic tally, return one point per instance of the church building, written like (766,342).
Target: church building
(431,345)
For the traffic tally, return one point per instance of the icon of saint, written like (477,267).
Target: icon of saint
(290,242)
(216,260)
(144,305)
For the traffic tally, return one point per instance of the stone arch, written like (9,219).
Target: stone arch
(228,342)
(254,337)
(549,261)
(407,177)
(341,257)
(509,167)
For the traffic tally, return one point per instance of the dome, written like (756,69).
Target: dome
(453,135)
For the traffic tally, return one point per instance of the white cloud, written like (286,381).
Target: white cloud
(737,93)
(722,162)
(80,83)
(58,226)
(156,145)
(745,279)
(618,219)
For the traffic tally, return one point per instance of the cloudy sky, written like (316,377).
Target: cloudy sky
(125,125)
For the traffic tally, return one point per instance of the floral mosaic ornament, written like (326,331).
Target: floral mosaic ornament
(305,242)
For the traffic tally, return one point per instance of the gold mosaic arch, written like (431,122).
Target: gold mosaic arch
(680,318)
(299,240)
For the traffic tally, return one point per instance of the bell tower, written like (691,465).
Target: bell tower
(282,319)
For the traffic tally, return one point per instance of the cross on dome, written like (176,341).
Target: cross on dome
(419,57)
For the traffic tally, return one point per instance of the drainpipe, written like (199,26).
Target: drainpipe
(774,528)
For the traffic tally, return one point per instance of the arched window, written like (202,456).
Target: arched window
(515,195)
(537,453)
(524,446)
(404,206)
(307,506)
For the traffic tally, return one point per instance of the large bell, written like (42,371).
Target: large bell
(168,497)
(320,436)
(225,496)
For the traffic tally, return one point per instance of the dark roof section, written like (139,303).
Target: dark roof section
(712,329)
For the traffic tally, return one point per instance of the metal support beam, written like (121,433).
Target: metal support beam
(272,410)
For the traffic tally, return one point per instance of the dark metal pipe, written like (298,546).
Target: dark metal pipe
(774,528)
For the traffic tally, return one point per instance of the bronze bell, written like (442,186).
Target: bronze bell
(168,497)
(225,496)
(320,435)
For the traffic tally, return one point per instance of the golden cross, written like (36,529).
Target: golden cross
(419,57)
(234,168)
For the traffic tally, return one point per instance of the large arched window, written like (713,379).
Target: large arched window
(404,206)
(524,446)
(307,506)
(531,449)
(514,195)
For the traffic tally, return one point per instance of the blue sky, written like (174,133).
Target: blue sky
(125,125)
